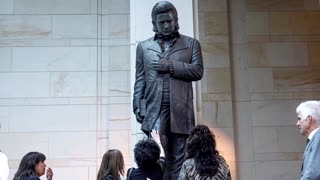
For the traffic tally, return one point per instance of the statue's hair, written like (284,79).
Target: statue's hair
(163,7)
(201,146)
(310,108)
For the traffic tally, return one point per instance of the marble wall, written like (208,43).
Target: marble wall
(65,82)
(275,54)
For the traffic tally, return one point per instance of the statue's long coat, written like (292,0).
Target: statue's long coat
(187,64)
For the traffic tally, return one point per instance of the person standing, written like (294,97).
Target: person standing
(112,165)
(166,65)
(308,122)
(4,167)
(32,167)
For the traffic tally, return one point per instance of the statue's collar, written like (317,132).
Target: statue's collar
(172,36)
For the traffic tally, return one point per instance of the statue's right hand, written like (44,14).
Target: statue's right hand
(138,116)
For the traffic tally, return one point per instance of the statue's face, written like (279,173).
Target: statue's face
(165,23)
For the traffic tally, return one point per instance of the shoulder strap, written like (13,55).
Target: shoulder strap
(129,173)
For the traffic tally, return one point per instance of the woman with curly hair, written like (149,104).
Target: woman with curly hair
(149,157)
(203,161)
(112,165)
(32,166)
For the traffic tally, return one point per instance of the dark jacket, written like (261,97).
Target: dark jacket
(187,66)
(32,178)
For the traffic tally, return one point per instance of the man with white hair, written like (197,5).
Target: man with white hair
(308,121)
(4,168)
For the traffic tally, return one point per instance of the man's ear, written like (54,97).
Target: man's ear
(309,119)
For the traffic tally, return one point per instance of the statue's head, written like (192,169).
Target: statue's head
(164,18)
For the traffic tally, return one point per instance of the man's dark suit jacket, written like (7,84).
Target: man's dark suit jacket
(187,64)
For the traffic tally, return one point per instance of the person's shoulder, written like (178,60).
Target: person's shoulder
(108,177)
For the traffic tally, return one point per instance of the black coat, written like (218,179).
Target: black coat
(186,58)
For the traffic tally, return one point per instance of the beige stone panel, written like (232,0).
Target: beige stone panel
(119,112)
(294,79)
(210,114)
(16,145)
(54,58)
(311,21)
(214,38)
(265,139)
(79,173)
(240,74)
(287,54)
(215,55)
(244,137)
(34,43)
(116,100)
(258,23)
(116,83)
(275,5)
(52,118)
(4,119)
(314,54)
(67,162)
(74,26)
(225,116)
(258,56)
(284,170)
(72,145)
(216,23)
(258,38)
(16,85)
(204,82)
(116,58)
(5,60)
(53,7)
(216,97)
(261,80)
(225,142)
(93,171)
(120,140)
(212,6)
(219,80)
(73,84)
(279,156)
(6,6)
(290,139)
(311,4)
(287,23)
(257,5)
(274,113)
(112,29)
(115,7)
(47,101)
(238,22)
(115,42)
(25,27)
(285,95)
(246,170)
(83,42)
(295,38)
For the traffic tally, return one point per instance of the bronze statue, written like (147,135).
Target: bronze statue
(166,65)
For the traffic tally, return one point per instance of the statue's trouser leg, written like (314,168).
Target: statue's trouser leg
(173,145)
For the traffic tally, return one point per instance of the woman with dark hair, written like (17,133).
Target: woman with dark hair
(149,157)
(112,165)
(203,161)
(32,166)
